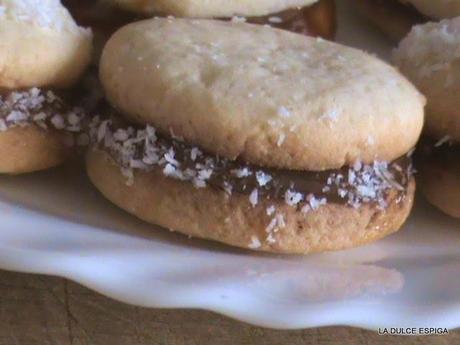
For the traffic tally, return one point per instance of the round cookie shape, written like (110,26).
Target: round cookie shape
(263,95)
(430,57)
(211,214)
(40,45)
(215,8)
(436,9)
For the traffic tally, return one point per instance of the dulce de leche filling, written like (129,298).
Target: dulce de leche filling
(147,150)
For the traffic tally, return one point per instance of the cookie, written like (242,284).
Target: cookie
(41,48)
(439,175)
(209,9)
(262,95)
(391,17)
(28,149)
(428,56)
(313,18)
(395,18)
(255,137)
(436,9)
(40,45)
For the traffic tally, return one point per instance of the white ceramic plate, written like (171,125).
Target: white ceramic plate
(56,223)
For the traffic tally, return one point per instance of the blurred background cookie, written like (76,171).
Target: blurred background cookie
(310,17)
(396,17)
(438,9)
(392,17)
(430,57)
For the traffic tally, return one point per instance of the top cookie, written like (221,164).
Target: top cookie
(430,57)
(267,96)
(209,9)
(40,44)
(436,8)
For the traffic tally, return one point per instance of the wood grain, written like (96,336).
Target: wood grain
(38,310)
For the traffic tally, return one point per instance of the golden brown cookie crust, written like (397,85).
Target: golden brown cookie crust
(30,148)
(211,214)
(267,96)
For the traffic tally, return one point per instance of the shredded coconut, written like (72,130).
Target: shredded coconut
(142,149)
(281,139)
(263,178)
(254,197)
(42,108)
(270,210)
(442,141)
(255,243)
(292,198)
(284,112)
(244,172)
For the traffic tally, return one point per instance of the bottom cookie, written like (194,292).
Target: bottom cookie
(30,148)
(212,214)
(439,177)
(391,17)
(37,130)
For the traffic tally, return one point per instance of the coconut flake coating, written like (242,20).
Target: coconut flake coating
(44,109)
(146,149)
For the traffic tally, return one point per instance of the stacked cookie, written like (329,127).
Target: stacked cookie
(311,17)
(254,136)
(396,17)
(430,57)
(40,47)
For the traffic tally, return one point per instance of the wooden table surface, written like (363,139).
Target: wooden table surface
(39,310)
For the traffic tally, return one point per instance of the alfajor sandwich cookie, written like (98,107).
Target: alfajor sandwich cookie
(428,56)
(255,137)
(41,49)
